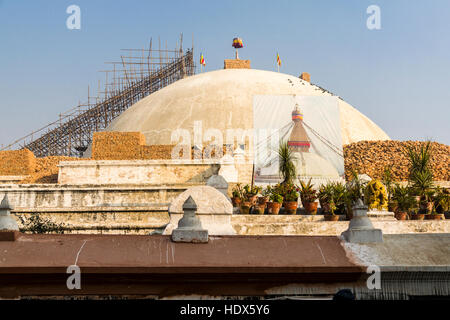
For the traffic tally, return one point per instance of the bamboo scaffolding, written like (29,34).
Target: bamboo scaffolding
(136,78)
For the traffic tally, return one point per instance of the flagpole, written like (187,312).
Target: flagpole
(202,63)
(278,62)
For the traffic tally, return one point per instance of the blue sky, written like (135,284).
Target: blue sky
(398,76)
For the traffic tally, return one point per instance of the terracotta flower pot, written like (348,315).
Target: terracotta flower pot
(245,207)
(273,207)
(310,207)
(260,209)
(290,207)
(401,215)
(331,217)
(236,201)
(252,199)
(434,216)
(418,216)
(262,201)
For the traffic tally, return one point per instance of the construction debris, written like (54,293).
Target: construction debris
(127,146)
(117,145)
(46,170)
(372,157)
(17,162)
(131,146)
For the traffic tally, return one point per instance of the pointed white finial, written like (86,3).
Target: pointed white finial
(5,205)
(6,221)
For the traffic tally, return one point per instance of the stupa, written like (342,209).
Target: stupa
(298,140)
(309,165)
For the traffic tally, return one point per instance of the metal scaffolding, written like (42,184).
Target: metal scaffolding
(137,74)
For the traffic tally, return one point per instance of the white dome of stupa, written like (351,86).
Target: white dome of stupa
(223,99)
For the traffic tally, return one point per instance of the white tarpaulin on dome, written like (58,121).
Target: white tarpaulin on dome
(272,116)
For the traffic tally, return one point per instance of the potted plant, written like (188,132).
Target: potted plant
(434,216)
(403,200)
(248,198)
(290,197)
(419,159)
(420,174)
(442,202)
(245,206)
(430,199)
(286,166)
(265,194)
(339,194)
(423,184)
(350,197)
(426,204)
(325,195)
(259,208)
(331,216)
(416,214)
(353,191)
(237,195)
(250,193)
(308,196)
(274,205)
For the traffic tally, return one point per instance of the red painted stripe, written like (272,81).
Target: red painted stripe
(295,143)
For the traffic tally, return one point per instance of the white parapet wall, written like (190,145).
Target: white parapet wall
(48,198)
(147,172)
